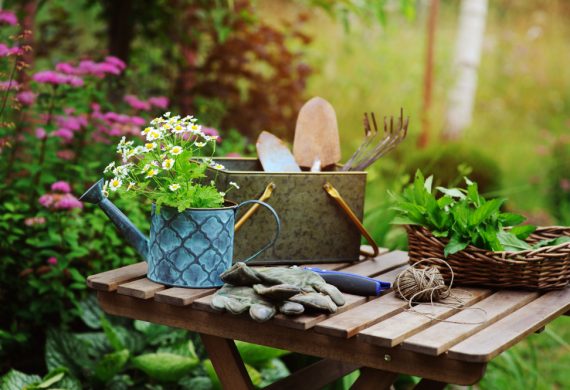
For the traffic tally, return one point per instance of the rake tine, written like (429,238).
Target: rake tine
(385,125)
(367,130)
(374,122)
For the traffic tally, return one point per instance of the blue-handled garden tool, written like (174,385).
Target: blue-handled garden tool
(352,283)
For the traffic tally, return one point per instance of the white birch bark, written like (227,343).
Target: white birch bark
(469,43)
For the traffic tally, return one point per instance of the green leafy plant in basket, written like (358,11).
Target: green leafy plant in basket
(463,217)
(169,167)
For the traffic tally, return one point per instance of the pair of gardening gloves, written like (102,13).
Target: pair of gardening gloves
(266,291)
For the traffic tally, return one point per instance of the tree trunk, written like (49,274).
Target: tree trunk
(428,73)
(121,25)
(468,48)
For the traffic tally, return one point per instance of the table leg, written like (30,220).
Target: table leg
(428,384)
(373,379)
(227,362)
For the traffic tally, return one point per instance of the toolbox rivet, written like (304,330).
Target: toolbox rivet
(387,357)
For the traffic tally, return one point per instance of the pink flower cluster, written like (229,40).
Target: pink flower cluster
(111,65)
(60,198)
(112,124)
(52,261)
(6,51)
(8,17)
(142,105)
(27,98)
(32,221)
(69,124)
(12,85)
(57,78)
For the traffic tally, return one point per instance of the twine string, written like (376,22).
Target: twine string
(426,284)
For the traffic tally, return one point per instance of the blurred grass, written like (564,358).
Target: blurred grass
(522,107)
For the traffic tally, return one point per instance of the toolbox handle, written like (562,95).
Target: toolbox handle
(264,197)
(333,193)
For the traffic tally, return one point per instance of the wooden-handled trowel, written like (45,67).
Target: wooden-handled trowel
(316,144)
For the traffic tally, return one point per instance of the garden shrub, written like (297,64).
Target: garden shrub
(558,178)
(448,163)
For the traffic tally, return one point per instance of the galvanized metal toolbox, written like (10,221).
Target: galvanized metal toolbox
(320,213)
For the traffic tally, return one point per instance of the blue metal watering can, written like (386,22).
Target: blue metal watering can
(185,249)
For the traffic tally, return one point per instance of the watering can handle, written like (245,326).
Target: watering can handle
(277,230)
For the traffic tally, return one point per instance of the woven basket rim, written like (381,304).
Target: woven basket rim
(522,255)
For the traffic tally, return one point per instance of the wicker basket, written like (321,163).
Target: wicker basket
(546,268)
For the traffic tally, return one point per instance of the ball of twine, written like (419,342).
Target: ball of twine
(423,284)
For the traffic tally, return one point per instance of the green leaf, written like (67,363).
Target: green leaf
(522,232)
(511,243)
(510,219)
(52,378)
(112,334)
(18,380)
(256,354)
(402,220)
(165,366)
(551,242)
(110,365)
(428,183)
(455,245)
(65,350)
(90,312)
(485,211)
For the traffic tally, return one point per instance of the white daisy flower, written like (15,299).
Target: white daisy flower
(174,187)
(234,184)
(121,171)
(222,193)
(167,114)
(109,167)
(194,128)
(149,146)
(177,129)
(176,150)
(151,172)
(139,149)
(146,131)
(105,189)
(153,135)
(115,184)
(130,186)
(145,168)
(200,144)
(211,138)
(218,166)
(168,163)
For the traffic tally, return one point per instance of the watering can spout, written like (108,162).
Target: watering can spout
(129,231)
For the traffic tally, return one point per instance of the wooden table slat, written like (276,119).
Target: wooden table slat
(180,296)
(491,341)
(394,330)
(109,280)
(141,288)
(438,338)
(383,263)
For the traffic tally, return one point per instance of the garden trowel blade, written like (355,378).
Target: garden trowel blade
(274,155)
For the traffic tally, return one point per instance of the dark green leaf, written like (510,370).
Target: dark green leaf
(256,354)
(485,211)
(522,232)
(551,242)
(454,245)
(18,380)
(112,334)
(510,219)
(65,350)
(110,365)
(164,366)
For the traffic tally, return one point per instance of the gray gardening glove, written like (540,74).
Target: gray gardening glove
(295,284)
(307,281)
(237,299)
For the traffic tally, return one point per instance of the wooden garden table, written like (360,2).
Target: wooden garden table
(376,335)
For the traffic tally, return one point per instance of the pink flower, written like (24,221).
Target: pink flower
(52,261)
(68,202)
(159,101)
(6,51)
(104,67)
(56,78)
(46,200)
(233,154)
(41,133)
(66,154)
(66,68)
(61,186)
(137,121)
(8,17)
(27,98)
(565,185)
(116,62)
(136,103)
(71,122)
(212,132)
(9,85)
(63,133)
(34,221)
